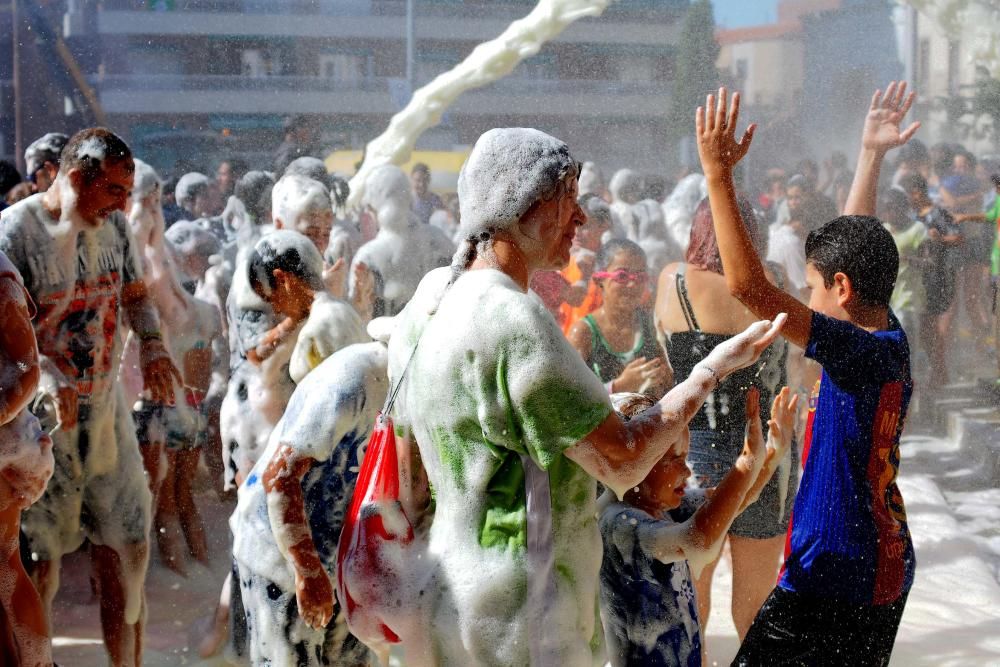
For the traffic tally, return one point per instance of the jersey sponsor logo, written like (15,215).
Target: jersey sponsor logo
(887,502)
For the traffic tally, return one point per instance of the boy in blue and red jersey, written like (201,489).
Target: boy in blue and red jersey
(849,560)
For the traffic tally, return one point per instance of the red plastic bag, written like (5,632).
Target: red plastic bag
(374,532)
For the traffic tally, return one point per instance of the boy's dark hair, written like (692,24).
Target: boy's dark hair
(421,168)
(607,253)
(913,183)
(894,205)
(263,262)
(862,249)
(90,150)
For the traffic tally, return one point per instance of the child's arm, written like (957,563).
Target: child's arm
(286,511)
(699,538)
(745,275)
(881,134)
(780,429)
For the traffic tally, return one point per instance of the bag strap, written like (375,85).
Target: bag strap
(390,400)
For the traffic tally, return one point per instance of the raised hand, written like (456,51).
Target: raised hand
(715,126)
(744,349)
(882,124)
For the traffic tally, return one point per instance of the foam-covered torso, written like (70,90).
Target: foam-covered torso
(492,384)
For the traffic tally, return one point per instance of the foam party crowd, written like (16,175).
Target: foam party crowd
(516,425)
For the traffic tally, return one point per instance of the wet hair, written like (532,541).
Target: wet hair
(308,166)
(772,178)
(610,250)
(254,190)
(862,249)
(47,148)
(703,247)
(265,259)
(894,205)
(9,177)
(913,183)
(90,150)
(340,190)
(421,168)
(238,166)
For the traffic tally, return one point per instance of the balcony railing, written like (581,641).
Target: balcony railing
(509,9)
(511,85)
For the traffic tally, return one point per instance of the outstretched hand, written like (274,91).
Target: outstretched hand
(882,124)
(744,349)
(715,126)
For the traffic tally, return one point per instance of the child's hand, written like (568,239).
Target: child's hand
(781,426)
(752,458)
(714,130)
(881,131)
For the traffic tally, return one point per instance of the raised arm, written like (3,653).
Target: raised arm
(745,276)
(881,134)
(699,539)
(620,454)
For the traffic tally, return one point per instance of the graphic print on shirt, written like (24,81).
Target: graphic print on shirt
(887,502)
(76,328)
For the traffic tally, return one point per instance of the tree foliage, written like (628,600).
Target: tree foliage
(695,74)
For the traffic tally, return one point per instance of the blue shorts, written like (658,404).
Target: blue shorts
(712,456)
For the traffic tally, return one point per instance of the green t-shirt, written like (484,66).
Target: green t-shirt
(493,378)
(909,293)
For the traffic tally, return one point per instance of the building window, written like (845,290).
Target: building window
(258,63)
(923,64)
(953,65)
(341,66)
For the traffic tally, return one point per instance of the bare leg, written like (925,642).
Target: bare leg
(185,468)
(152,462)
(164,520)
(216,636)
(45,576)
(122,640)
(703,591)
(755,570)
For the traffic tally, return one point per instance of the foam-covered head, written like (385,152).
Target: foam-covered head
(189,186)
(310,167)
(626,186)
(146,180)
(189,239)
(591,179)
(254,190)
(386,183)
(508,170)
(289,251)
(295,196)
(47,148)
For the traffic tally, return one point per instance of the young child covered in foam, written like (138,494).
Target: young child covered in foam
(272,294)
(292,507)
(655,536)
(26,464)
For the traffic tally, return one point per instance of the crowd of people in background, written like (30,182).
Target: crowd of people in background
(204,301)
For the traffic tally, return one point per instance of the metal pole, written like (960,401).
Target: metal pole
(409,45)
(18,119)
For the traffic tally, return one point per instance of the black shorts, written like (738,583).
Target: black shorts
(794,629)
